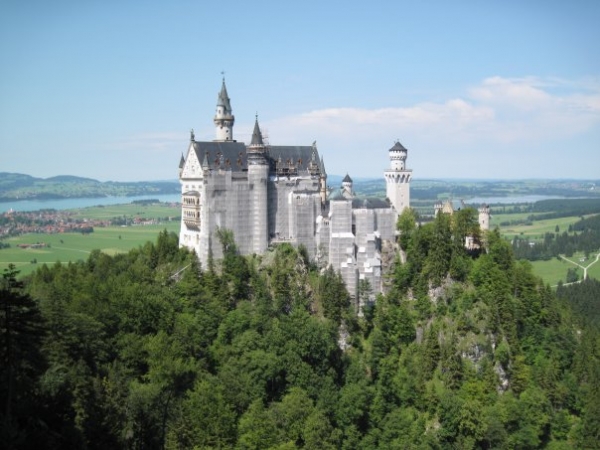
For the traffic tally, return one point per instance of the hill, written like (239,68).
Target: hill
(16,186)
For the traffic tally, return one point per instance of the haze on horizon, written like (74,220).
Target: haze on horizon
(473,90)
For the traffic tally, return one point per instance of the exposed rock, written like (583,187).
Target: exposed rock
(343,337)
(503,383)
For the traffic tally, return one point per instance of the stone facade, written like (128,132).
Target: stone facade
(273,194)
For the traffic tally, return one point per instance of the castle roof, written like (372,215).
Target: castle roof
(181,162)
(337,195)
(369,203)
(223,98)
(398,147)
(347,179)
(231,155)
(257,138)
(295,155)
(222,155)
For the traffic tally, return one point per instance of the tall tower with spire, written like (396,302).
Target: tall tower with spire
(224,118)
(258,176)
(397,178)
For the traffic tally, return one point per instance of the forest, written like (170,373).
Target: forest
(147,350)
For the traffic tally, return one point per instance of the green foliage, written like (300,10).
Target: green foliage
(21,364)
(147,350)
(406,225)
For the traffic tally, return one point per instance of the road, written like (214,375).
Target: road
(585,268)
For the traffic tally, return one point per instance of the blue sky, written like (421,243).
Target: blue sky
(473,89)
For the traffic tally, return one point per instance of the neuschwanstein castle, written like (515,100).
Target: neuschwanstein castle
(268,194)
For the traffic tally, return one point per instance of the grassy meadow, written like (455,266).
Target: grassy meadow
(131,210)
(66,247)
(536,230)
(555,270)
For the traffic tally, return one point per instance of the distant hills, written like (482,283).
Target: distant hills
(18,186)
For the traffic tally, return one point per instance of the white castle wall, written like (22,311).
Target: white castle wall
(258,176)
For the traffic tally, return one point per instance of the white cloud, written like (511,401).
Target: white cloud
(498,115)
(502,127)
(487,112)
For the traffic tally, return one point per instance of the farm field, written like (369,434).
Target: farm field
(151,211)
(537,229)
(554,270)
(65,247)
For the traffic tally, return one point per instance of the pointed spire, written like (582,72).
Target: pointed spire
(257,138)
(181,162)
(323,172)
(205,165)
(223,99)
(224,119)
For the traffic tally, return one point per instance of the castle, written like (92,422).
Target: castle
(267,194)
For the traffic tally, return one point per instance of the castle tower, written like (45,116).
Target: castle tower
(397,178)
(258,176)
(484,217)
(323,184)
(224,118)
(347,187)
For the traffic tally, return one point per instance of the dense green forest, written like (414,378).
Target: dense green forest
(147,350)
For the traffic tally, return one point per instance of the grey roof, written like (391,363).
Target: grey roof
(232,155)
(369,203)
(322,168)
(347,179)
(181,162)
(222,155)
(298,156)
(257,138)
(397,147)
(337,195)
(223,98)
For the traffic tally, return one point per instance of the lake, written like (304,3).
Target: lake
(73,203)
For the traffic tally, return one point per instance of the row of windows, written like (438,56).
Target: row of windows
(191,214)
(191,200)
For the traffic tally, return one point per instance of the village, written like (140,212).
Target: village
(50,221)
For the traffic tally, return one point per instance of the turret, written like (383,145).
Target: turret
(224,119)
(257,150)
(484,217)
(398,178)
(181,164)
(347,187)
(323,183)
(398,156)
(258,175)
